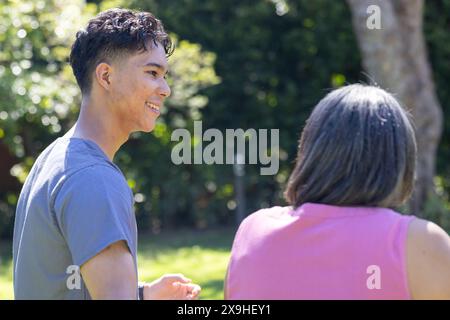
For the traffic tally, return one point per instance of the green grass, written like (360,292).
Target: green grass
(201,256)
(6,271)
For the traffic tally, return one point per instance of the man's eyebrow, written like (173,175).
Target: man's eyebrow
(156,65)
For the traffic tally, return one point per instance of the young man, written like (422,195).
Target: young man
(75,212)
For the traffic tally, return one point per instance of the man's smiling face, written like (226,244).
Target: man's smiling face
(139,88)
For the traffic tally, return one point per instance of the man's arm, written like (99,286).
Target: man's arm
(111,273)
(428,261)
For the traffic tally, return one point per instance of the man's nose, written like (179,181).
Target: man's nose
(165,89)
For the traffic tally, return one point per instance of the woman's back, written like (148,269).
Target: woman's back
(356,156)
(320,252)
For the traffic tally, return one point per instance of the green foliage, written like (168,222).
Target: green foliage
(238,64)
(40,98)
(437,24)
(274,68)
(437,207)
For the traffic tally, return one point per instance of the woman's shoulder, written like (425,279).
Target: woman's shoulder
(265,217)
(276,212)
(428,260)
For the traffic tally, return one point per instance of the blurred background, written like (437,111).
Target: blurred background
(237,64)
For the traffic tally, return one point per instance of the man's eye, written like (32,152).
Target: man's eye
(167,75)
(153,73)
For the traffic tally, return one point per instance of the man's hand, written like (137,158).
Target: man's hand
(171,287)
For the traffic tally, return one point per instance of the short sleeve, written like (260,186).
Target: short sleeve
(94,208)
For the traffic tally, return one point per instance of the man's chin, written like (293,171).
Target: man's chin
(145,129)
(148,127)
(148,130)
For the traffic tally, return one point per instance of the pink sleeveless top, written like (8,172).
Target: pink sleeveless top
(320,252)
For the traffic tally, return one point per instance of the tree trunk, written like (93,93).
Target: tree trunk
(395,57)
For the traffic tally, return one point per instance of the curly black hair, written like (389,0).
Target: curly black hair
(111,34)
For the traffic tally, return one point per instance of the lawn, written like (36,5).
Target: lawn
(200,255)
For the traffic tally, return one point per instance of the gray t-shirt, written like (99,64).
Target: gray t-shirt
(74,203)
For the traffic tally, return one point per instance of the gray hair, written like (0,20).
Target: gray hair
(358,148)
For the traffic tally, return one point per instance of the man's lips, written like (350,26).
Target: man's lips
(153,107)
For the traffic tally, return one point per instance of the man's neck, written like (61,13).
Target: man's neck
(99,127)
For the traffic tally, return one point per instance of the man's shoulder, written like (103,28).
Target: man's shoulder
(97,174)
(70,154)
(79,153)
(99,179)
(94,186)
(79,166)
(70,157)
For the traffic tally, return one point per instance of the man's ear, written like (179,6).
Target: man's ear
(103,75)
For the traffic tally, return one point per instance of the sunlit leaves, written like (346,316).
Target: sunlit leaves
(191,70)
